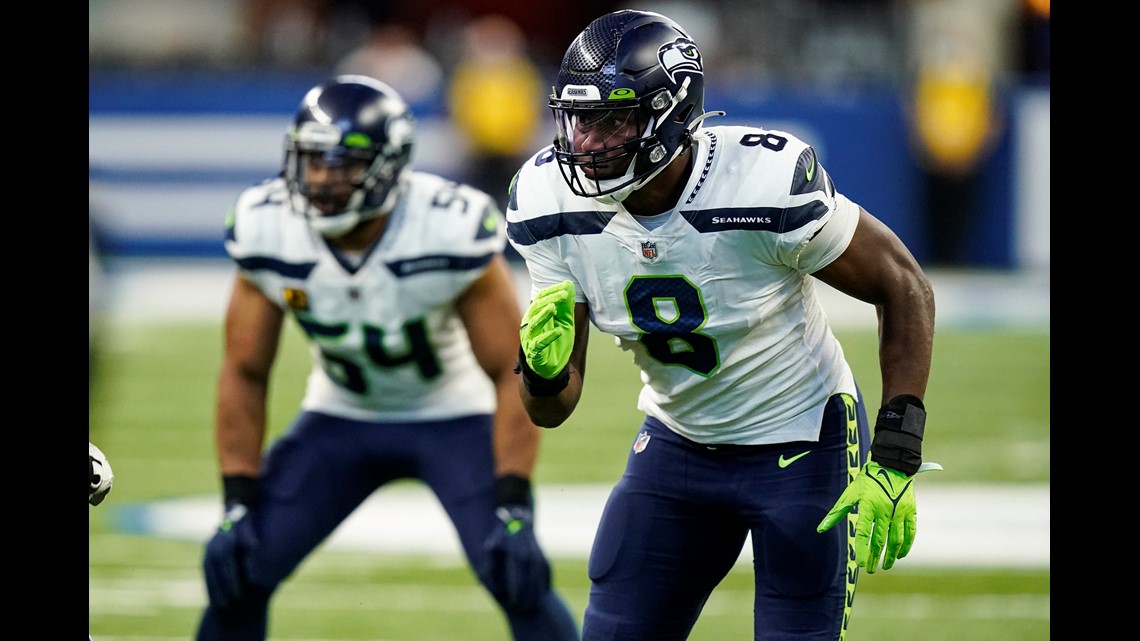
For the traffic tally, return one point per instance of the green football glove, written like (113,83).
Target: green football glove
(547,331)
(883,499)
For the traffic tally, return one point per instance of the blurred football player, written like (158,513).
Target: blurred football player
(398,281)
(699,248)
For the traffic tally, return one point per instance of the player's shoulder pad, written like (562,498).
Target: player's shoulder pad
(780,154)
(538,189)
(541,206)
(453,217)
(258,219)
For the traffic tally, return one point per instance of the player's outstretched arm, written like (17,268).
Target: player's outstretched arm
(252,329)
(514,569)
(490,311)
(877,268)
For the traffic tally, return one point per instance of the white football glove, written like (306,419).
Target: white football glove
(101,475)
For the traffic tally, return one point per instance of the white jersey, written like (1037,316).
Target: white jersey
(717,305)
(386,341)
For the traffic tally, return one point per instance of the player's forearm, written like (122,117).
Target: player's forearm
(240,419)
(552,411)
(515,443)
(515,438)
(906,338)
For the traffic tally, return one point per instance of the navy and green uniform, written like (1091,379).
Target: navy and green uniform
(395,391)
(715,302)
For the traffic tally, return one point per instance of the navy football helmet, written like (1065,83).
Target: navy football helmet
(630,92)
(361,127)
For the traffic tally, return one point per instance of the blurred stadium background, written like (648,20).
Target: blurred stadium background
(933,114)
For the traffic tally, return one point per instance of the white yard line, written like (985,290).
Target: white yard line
(959,525)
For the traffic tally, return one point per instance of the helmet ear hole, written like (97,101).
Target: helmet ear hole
(683,115)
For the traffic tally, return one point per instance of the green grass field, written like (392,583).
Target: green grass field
(152,413)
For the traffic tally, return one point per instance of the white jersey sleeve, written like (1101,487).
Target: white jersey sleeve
(385,338)
(832,239)
(717,305)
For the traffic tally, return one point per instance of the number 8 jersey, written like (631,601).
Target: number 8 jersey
(386,341)
(716,304)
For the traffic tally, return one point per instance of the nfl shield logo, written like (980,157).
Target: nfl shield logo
(649,249)
(641,442)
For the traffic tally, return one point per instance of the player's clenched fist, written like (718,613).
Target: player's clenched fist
(547,331)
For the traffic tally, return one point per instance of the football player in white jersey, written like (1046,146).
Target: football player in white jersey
(699,249)
(398,281)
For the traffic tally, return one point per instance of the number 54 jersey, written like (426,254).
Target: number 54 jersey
(716,305)
(385,339)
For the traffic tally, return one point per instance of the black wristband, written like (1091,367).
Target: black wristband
(512,489)
(240,488)
(538,386)
(899,428)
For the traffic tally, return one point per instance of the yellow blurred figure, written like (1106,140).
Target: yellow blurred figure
(956,118)
(491,99)
(954,115)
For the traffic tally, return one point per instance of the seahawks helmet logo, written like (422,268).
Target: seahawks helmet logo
(680,55)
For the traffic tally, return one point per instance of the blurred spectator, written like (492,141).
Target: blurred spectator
(953,112)
(393,53)
(288,33)
(496,99)
(548,26)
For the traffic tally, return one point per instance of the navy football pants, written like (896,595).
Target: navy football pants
(677,520)
(325,467)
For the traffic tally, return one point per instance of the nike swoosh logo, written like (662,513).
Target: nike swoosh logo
(784,462)
(811,169)
(886,477)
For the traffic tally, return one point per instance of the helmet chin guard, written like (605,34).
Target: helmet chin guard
(616,190)
(337,225)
